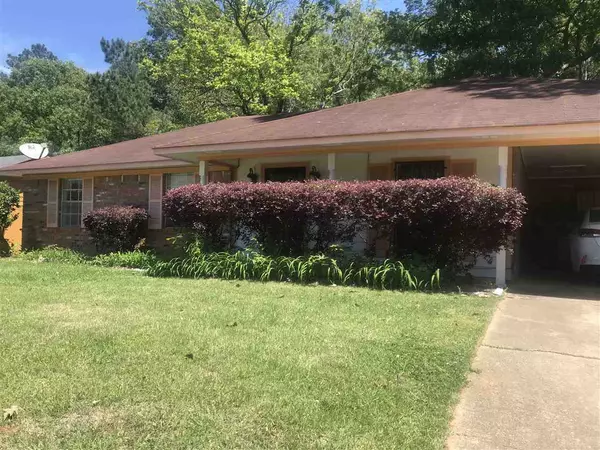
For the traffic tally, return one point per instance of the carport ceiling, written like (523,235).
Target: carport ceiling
(568,161)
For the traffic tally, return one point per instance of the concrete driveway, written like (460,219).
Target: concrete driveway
(536,379)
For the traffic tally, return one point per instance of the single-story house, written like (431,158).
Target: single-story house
(504,132)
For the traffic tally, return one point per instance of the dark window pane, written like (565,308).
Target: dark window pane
(70,206)
(283,174)
(175,180)
(424,170)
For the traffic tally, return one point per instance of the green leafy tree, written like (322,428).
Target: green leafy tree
(36,51)
(222,59)
(346,63)
(119,105)
(463,38)
(215,59)
(43,100)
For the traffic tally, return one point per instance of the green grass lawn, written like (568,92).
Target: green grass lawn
(96,358)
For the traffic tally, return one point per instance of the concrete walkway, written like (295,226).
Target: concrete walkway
(536,379)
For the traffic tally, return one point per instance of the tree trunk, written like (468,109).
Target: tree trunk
(4,245)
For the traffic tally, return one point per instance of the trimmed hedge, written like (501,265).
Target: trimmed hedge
(448,221)
(116,228)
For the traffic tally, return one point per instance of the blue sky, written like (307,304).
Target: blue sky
(72,29)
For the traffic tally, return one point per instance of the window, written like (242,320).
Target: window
(283,174)
(175,180)
(71,196)
(594,215)
(220,176)
(424,170)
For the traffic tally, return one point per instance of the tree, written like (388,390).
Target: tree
(347,63)
(119,104)
(221,59)
(43,100)
(36,51)
(463,38)
(229,57)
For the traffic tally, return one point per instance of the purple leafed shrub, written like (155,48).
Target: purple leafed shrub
(448,221)
(116,228)
(212,210)
(285,218)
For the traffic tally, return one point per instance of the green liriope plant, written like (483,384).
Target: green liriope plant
(136,259)
(53,253)
(249,265)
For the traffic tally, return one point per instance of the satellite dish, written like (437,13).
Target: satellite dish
(34,151)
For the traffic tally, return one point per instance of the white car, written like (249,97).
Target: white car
(585,242)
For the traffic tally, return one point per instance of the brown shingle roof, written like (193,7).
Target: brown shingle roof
(134,152)
(469,104)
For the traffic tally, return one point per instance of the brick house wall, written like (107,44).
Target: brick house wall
(113,190)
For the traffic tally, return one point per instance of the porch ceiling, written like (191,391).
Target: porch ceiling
(562,161)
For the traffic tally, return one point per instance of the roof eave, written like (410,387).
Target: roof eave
(577,132)
(96,168)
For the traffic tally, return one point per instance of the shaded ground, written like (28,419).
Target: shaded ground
(537,379)
(104,358)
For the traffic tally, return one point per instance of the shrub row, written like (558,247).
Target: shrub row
(449,221)
(248,265)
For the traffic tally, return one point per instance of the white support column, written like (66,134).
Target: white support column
(331,165)
(203,172)
(502,182)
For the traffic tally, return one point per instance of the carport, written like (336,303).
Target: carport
(560,183)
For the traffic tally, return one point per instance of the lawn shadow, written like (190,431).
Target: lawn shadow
(565,286)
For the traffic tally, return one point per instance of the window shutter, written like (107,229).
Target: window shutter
(155,191)
(87,203)
(463,168)
(52,204)
(380,172)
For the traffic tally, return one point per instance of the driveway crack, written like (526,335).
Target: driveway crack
(498,347)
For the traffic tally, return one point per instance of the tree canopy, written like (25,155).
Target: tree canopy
(524,38)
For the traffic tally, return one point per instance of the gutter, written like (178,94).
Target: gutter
(94,168)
